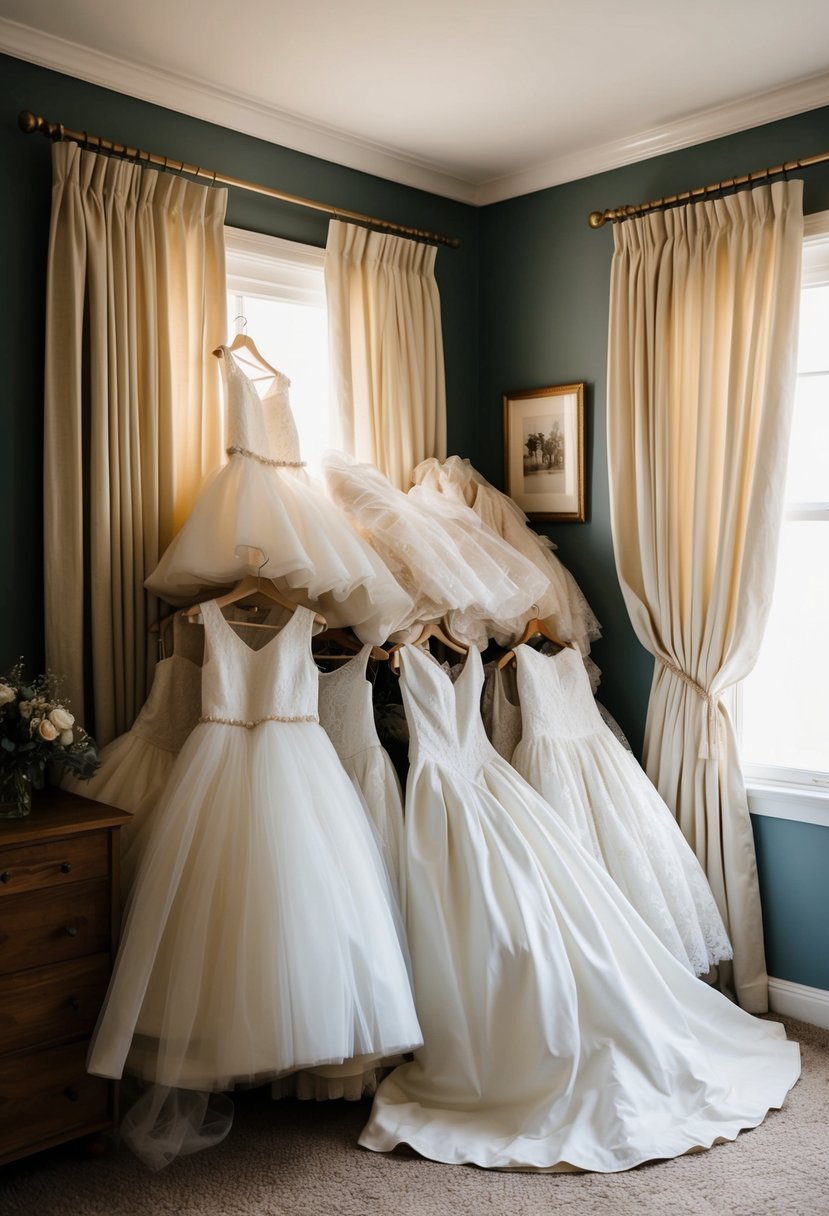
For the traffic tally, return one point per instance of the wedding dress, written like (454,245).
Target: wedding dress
(260,513)
(437,549)
(562,606)
(261,933)
(558,1031)
(573,760)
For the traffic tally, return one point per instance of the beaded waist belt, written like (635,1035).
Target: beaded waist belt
(278,464)
(258,721)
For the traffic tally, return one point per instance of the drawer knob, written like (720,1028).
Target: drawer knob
(74,1003)
(65,867)
(71,1093)
(71,930)
(5,876)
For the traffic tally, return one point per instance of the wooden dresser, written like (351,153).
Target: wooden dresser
(59,912)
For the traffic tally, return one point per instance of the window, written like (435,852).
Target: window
(782,709)
(276,293)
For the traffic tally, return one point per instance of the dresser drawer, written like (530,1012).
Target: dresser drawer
(45,1004)
(53,925)
(48,1095)
(27,867)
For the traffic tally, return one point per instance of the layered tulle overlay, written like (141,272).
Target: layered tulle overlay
(261,933)
(558,1030)
(439,551)
(261,513)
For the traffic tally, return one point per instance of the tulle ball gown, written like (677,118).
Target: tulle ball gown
(559,1032)
(261,933)
(261,513)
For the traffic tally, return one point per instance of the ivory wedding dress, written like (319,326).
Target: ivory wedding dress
(558,1030)
(573,760)
(261,933)
(260,513)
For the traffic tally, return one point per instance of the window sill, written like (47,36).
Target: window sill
(779,801)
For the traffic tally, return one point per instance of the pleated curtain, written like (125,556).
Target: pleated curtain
(135,303)
(386,348)
(704,306)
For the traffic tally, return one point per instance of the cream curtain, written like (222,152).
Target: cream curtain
(386,349)
(704,308)
(135,303)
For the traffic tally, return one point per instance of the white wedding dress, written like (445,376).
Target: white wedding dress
(570,757)
(262,934)
(260,513)
(559,1032)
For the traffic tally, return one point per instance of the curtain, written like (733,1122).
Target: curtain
(135,303)
(703,328)
(386,349)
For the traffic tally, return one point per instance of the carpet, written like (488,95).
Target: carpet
(294,1158)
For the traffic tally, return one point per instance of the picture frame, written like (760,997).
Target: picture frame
(544,451)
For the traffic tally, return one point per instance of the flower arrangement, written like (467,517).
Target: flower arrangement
(36,730)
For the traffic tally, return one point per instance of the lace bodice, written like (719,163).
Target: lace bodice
(444,718)
(501,714)
(555,695)
(346,709)
(262,427)
(246,687)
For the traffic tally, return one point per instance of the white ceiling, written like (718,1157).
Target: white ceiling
(477,100)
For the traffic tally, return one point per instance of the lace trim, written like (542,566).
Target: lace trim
(258,721)
(709,746)
(279,464)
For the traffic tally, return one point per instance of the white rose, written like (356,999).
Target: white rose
(6,694)
(46,730)
(66,738)
(61,718)
(25,709)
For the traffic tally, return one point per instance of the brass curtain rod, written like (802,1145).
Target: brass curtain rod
(597,219)
(29,122)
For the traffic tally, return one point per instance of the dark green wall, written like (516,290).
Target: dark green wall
(545,278)
(25,186)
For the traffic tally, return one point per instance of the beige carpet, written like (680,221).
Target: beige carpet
(301,1159)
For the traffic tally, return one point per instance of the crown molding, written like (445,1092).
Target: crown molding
(206,101)
(810,93)
(200,99)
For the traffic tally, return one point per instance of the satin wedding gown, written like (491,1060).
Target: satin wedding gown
(261,934)
(559,1032)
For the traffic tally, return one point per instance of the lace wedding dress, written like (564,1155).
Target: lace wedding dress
(261,933)
(260,513)
(573,760)
(559,1032)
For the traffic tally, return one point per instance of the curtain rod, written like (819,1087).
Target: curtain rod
(597,219)
(29,122)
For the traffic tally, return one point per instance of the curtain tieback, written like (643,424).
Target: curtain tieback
(709,748)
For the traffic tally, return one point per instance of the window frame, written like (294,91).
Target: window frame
(775,790)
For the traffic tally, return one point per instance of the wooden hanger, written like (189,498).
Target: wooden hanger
(252,585)
(243,342)
(533,628)
(350,643)
(431,629)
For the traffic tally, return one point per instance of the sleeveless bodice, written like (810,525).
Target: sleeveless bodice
(346,709)
(502,716)
(262,427)
(172,708)
(245,687)
(556,698)
(445,725)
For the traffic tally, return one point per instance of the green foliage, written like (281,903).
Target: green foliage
(37,729)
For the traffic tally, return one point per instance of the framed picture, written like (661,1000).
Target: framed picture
(544,451)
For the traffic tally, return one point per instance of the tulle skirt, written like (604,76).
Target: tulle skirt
(252,518)
(261,933)
(558,1032)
